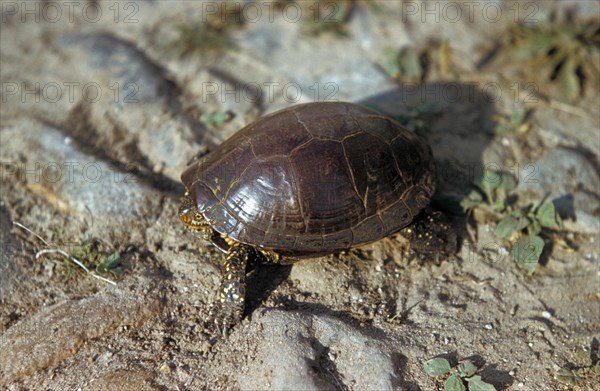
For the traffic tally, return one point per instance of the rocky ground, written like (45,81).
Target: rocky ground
(102,109)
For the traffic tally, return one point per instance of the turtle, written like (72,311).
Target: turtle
(306,181)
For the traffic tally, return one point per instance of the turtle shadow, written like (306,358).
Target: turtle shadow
(456,120)
(489,373)
(261,281)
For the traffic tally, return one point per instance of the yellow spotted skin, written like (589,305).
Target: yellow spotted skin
(229,306)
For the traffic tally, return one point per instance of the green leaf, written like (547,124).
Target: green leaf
(476,384)
(390,63)
(467,368)
(471,201)
(454,383)
(437,367)
(532,45)
(523,222)
(113,260)
(111,265)
(499,205)
(518,213)
(546,215)
(410,65)
(488,183)
(518,116)
(216,118)
(102,269)
(509,182)
(526,252)
(568,82)
(568,376)
(83,251)
(506,227)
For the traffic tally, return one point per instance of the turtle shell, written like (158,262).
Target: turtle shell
(314,179)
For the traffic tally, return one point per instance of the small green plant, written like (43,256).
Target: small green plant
(87,251)
(491,192)
(410,65)
(565,54)
(82,252)
(216,118)
(107,265)
(515,123)
(459,379)
(586,371)
(521,223)
(198,38)
(111,266)
(209,35)
(403,64)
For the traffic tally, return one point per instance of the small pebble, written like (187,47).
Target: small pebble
(546,314)
(488,326)
(165,368)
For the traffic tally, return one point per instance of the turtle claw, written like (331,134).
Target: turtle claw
(224,317)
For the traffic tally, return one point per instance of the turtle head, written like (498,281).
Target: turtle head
(191,217)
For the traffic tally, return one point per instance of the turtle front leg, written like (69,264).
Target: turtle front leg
(228,307)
